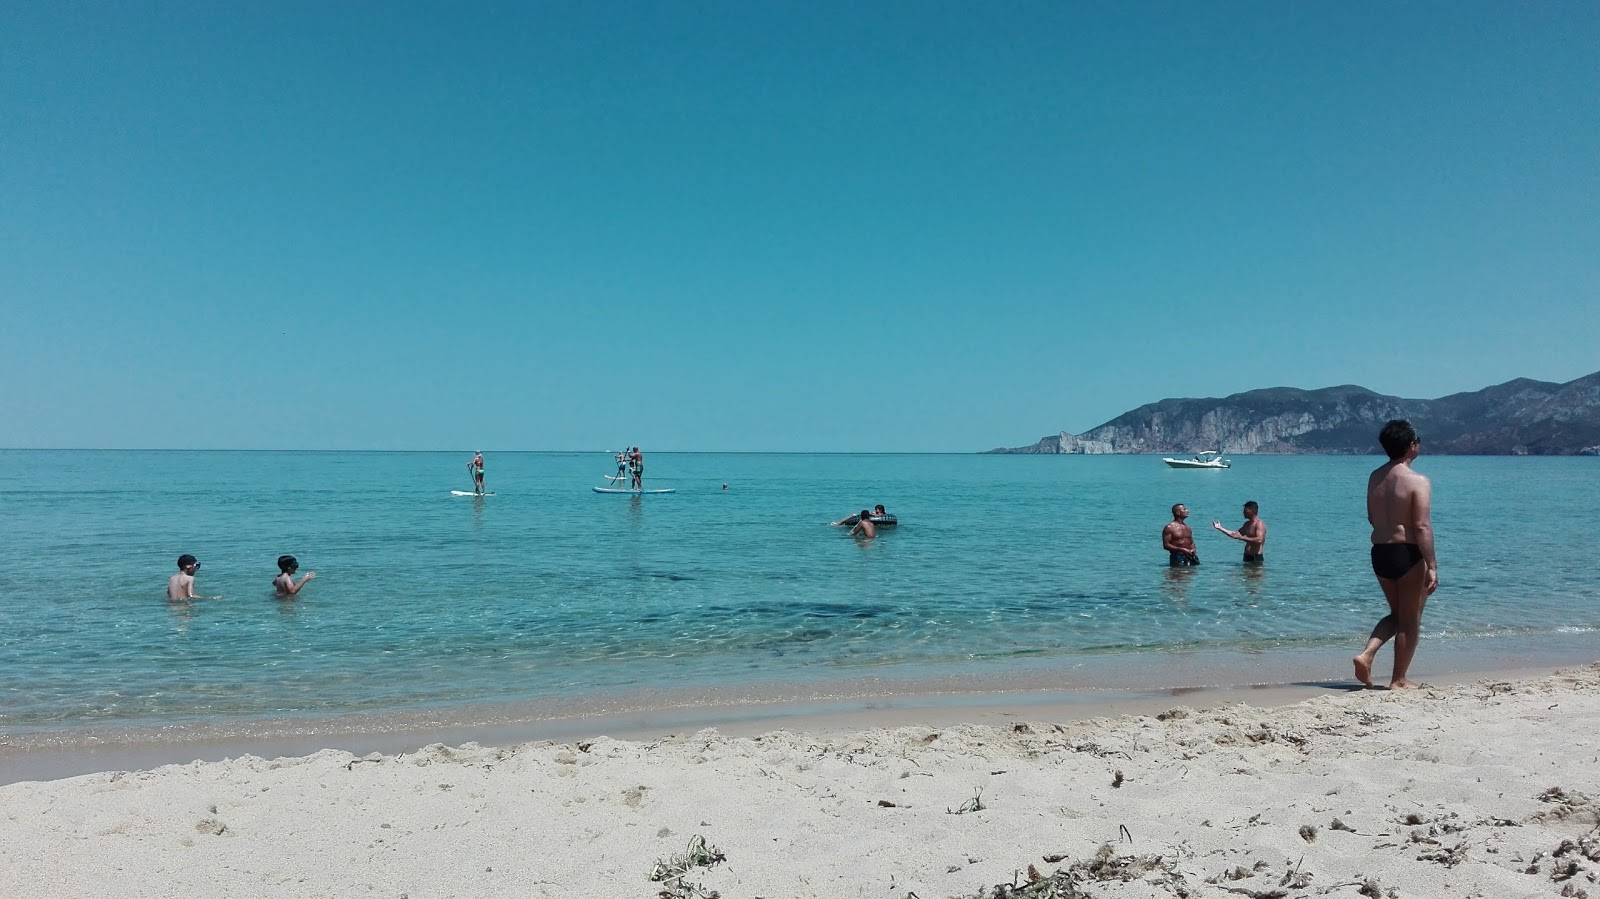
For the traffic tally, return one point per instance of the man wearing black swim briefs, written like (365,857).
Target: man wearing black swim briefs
(1400,508)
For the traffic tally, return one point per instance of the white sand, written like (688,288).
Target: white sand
(1446,792)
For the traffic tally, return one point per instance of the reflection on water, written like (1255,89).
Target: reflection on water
(1255,576)
(1176,582)
(182,614)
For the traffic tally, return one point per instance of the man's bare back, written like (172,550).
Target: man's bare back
(1398,501)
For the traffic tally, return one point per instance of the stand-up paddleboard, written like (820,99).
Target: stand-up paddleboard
(631,490)
(469,493)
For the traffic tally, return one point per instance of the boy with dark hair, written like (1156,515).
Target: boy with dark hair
(181,585)
(285,583)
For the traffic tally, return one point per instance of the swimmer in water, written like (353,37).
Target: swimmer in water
(284,583)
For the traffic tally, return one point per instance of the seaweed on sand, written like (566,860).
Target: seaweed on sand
(671,872)
(1105,866)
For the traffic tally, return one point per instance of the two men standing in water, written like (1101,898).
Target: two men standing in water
(1177,538)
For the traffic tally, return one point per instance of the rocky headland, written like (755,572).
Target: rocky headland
(1520,417)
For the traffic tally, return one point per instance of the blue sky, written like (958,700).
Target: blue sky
(775,226)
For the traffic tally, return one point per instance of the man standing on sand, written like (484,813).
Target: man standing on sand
(1253,532)
(1178,540)
(1400,507)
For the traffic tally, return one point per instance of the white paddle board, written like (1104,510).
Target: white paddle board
(468,493)
(628,490)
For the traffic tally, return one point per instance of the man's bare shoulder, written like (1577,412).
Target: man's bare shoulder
(1406,479)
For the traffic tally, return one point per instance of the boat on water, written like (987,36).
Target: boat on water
(1206,459)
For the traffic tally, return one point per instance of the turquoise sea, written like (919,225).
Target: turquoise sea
(1006,571)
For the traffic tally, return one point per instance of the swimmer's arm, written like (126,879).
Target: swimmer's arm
(1234,534)
(293,587)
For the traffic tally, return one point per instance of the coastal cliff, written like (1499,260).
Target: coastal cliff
(1520,417)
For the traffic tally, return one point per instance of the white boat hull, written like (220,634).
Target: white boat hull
(1190,463)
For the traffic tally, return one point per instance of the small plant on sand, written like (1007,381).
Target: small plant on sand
(975,804)
(671,872)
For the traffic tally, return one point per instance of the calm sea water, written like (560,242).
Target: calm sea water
(1002,565)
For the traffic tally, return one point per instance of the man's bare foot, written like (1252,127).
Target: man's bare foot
(1363,670)
(1403,684)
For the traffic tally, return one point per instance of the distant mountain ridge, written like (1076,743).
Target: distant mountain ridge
(1520,417)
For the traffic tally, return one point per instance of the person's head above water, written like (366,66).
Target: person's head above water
(1250,509)
(878,509)
(186,560)
(866,513)
(1180,512)
(1397,438)
(287,564)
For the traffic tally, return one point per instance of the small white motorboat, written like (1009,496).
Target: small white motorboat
(1207,459)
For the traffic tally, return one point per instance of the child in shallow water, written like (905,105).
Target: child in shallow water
(284,583)
(181,585)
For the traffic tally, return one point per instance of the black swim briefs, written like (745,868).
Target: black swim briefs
(1182,560)
(1391,561)
(1254,558)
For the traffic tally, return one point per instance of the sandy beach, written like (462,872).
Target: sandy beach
(1483,789)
